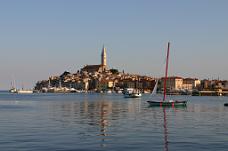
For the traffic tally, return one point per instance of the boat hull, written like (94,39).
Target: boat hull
(24,91)
(171,104)
(133,95)
(13,90)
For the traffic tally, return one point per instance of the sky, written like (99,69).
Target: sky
(41,38)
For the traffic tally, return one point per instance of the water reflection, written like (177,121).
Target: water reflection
(166,147)
(88,122)
(104,121)
(213,112)
(163,111)
(94,114)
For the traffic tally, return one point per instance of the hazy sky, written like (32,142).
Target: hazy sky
(40,38)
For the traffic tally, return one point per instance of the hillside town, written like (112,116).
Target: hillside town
(98,78)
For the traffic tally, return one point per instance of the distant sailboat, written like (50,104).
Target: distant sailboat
(154,92)
(13,89)
(13,86)
(164,101)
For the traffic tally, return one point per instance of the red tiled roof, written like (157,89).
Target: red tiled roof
(172,77)
(87,67)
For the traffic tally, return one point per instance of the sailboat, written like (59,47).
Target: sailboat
(13,87)
(155,88)
(164,101)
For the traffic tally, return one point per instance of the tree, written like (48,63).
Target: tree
(114,71)
(65,74)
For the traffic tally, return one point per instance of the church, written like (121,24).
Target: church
(98,68)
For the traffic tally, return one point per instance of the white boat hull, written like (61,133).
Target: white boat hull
(133,95)
(24,91)
(13,90)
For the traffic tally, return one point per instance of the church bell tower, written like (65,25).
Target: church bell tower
(104,58)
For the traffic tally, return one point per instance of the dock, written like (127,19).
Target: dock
(213,93)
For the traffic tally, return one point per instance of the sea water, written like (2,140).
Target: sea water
(91,121)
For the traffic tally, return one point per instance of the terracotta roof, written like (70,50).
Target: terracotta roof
(191,79)
(91,67)
(172,77)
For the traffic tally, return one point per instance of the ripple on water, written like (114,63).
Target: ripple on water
(110,122)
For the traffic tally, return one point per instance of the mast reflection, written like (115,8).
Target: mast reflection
(166,143)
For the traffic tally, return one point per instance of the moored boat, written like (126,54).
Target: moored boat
(165,102)
(24,91)
(171,103)
(13,90)
(132,93)
(13,87)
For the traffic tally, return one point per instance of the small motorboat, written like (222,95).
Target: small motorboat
(132,93)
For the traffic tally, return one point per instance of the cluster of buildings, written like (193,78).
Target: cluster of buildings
(194,86)
(176,83)
(98,78)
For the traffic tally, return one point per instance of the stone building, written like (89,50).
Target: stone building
(97,68)
(190,83)
(172,83)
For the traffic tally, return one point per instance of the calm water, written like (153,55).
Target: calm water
(41,122)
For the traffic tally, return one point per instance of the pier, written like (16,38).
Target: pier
(213,93)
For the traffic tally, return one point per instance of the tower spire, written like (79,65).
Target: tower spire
(103,56)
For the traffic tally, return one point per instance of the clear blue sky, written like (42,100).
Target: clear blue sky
(46,37)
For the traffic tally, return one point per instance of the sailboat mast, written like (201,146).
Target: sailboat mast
(166,71)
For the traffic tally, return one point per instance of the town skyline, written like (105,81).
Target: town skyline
(99,78)
(41,39)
